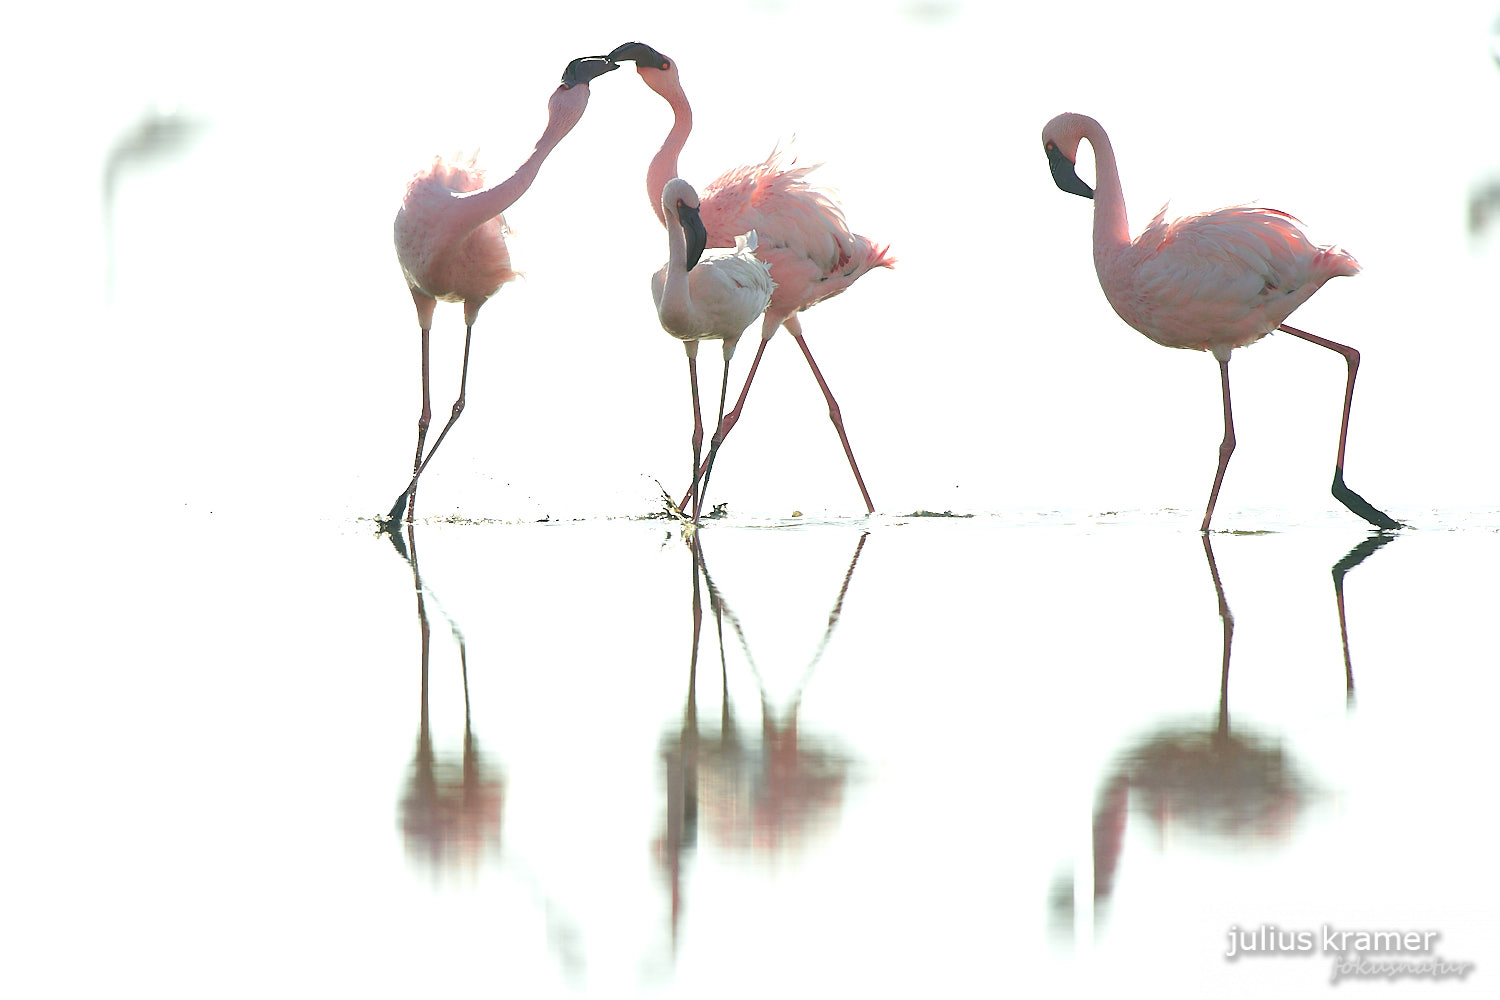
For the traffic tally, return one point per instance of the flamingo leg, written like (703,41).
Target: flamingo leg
(713,446)
(692,359)
(458,408)
(1342,493)
(729,419)
(423,420)
(1226,447)
(795,328)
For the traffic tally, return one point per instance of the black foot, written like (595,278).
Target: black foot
(394,517)
(1360,505)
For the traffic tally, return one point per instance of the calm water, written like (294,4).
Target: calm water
(937,755)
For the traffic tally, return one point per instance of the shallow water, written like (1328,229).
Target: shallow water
(938,755)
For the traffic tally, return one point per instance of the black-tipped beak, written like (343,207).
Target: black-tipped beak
(584,69)
(641,54)
(1065,174)
(696,232)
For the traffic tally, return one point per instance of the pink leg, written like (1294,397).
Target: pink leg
(795,328)
(694,492)
(1344,494)
(422,422)
(713,447)
(728,420)
(458,408)
(1226,447)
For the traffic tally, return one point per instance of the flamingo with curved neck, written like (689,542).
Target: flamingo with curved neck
(1208,282)
(450,241)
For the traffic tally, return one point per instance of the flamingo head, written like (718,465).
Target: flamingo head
(679,201)
(568,101)
(581,71)
(656,69)
(1060,139)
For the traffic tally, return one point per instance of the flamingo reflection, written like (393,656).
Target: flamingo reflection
(1229,785)
(770,795)
(1353,558)
(451,807)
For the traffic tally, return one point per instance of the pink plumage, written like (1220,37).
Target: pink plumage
(1217,280)
(1208,282)
(803,235)
(436,257)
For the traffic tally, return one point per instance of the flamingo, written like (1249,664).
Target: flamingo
(450,240)
(706,297)
(1209,282)
(802,234)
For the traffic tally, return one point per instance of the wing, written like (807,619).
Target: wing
(732,289)
(775,199)
(1229,275)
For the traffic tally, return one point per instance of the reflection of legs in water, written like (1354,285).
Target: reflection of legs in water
(452,812)
(833,616)
(681,759)
(722,610)
(1227,617)
(424,733)
(1355,556)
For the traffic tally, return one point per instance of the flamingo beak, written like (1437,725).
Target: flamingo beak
(581,71)
(1065,173)
(694,230)
(641,54)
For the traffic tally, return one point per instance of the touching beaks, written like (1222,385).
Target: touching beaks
(695,231)
(641,54)
(1065,173)
(586,68)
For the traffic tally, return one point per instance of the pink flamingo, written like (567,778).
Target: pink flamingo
(1209,282)
(706,297)
(802,233)
(450,240)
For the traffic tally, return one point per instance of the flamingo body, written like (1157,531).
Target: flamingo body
(440,258)
(802,232)
(1218,280)
(727,290)
(717,296)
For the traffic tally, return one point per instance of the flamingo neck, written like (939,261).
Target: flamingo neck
(1111,227)
(664,164)
(479,207)
(675,310)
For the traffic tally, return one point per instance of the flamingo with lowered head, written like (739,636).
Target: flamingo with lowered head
(706,296)
(802,233)
(1209,282)
(450,240)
